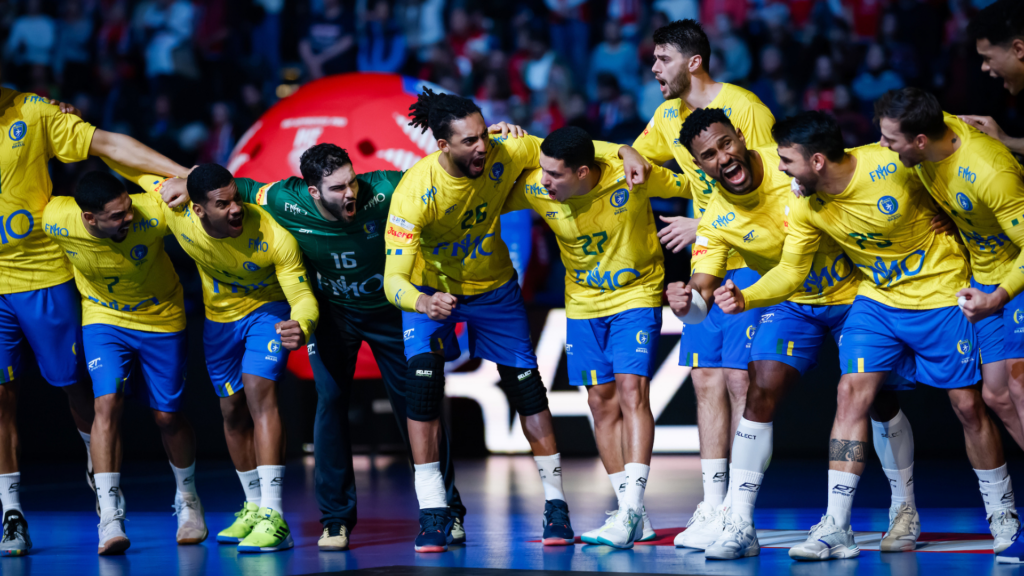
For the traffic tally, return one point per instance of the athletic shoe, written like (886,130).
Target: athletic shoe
(627,529)
(1014,553)
(591,537)
(271,534)
(826,541)
(557,528)
(112,537)
(91,481)
(191,521)
(245,520)
(738,540)
(435,530)
(704,527)
(904,529)
(334,538)
(649,533)
(16,541)
(458,532)
(1003,524)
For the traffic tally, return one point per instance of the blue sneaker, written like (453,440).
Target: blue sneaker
(1014,553)
(435,530)
(557,529)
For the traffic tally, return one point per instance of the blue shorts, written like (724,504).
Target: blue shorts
(943,342)
(247,346)
(50,320)
(112,353)
(721,340)
(793,333)
(1001,335)
(496,323)
(623,343)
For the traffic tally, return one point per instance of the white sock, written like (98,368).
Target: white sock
(894,445)
(251,484)
(716,480)
(10,491)
(185,479)
(108,488)
(727,502)
(751,453)
(271,487)
(87,438)
(430,486)
(996,490)
(635,485)
(618,481)
(841,488)
(550,468)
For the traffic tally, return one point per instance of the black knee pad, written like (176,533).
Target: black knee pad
(524,389)
(424,387)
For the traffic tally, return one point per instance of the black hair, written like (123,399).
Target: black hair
(570,144)
(817,132)
(999,23)
(700,120)
(96,189)
(688,37)
(436,111)
(917,111)
(205,179)
(321,161)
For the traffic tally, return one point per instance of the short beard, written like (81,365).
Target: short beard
(466,168)
(676,91)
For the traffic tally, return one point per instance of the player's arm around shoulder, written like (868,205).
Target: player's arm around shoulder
(294,281)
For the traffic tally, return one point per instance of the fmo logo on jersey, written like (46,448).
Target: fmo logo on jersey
(965,173)
(723,220)
(882,172)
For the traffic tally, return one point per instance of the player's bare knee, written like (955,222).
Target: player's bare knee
(853,400)
(603,401)
(524,388)
(633,394)
(235,412)
(424,387)
(969,407)
(168,421)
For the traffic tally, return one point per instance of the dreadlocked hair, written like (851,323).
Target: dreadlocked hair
(437,111)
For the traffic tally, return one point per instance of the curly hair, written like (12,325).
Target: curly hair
(700,120)
(320,161)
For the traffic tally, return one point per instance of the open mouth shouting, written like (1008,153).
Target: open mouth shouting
(735,175)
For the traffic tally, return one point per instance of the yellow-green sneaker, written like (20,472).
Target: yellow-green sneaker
(245,519)
(270,535)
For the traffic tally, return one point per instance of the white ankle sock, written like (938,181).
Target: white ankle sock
(714,473)
(550,468)
(902,484)
(108,488)
(271,487)
(636,483)
(430,486)
(996,490)
(751,453)
(10,491)
(894,445)
(185,479)
(251,485)
(618,481)
(841,488)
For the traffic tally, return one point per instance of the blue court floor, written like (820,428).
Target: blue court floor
(505,501)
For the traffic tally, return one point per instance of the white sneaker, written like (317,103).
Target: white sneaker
(703,529)
(738,540)
(191,522)
(1003,524)
(112,537)
(592,536)
(904,529)
(826,541)
(649,533)
(627,528)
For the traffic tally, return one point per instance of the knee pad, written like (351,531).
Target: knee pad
(424,387)
(526,393)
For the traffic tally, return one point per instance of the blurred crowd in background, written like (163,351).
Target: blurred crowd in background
(189,77)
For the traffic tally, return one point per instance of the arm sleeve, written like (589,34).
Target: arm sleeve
(150,183)
(402,241)
(651,143)
(525,151)
(759,122)
(69,137)
(780,282)
(294,281)
(710,252)
(664,183)
(248,189)
(516,199)
(606,152)
(1007,190)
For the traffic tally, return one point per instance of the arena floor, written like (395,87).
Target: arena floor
(504,497)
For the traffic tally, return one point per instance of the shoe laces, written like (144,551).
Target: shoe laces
(12,529)
(735,525)
(557,515)
(821,529)
(243,511)
(903,519)
(433,521)
(699,515)
(117,516)
(333,529)
(1004,520)
(184,507)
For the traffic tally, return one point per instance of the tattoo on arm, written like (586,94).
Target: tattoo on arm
(845,451)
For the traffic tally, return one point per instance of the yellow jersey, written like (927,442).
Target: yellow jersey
(659,142)
(981,186)
(131,284)
(241,274)
(444,232)
(32,132)
(882,221)
(756,225)
(607,238)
